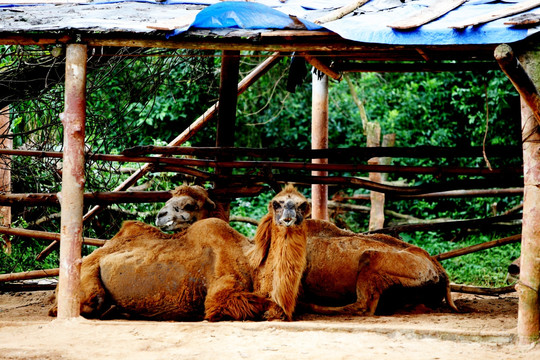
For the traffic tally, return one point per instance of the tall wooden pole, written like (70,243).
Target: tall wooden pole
(529,278)
(228,98)
(5,176)
(73,180)
(319,140)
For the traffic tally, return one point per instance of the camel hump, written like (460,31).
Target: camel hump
(132,228)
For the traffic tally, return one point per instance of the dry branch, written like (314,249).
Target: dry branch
(467,289)
(478,247)
(46,235)
(34,274)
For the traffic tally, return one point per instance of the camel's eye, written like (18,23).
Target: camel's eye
(190,207)
(276,205)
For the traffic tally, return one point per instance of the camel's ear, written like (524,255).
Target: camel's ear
(209,204)
(262,239)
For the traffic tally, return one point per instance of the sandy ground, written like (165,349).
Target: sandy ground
(486,329)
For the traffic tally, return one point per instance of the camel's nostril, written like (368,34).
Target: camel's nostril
(161,214)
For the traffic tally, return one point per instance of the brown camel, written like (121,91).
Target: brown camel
(200,273)
(345,273)
(279,252)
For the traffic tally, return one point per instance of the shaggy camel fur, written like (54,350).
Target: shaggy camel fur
(279,253)
(187,205)
(200,273)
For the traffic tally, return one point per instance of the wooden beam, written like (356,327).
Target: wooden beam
(528,326)
(338,153)
(34,274)
(226,122)
(73,180)
(5,176)
(319,140)
(519,78)
(46,235)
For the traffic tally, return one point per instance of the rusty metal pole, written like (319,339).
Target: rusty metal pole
(529,278)
(319,140)
(71,196)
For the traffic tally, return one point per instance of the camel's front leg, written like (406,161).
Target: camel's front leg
(227,300)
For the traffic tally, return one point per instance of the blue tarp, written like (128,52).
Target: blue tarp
(369,24)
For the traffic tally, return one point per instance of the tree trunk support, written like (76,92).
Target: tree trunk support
(73,179)
(525,75)
(5,176)
(226,124)
(319,140)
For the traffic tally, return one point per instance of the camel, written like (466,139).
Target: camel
(187,205)
(346,272)
(199,273)
(279,253)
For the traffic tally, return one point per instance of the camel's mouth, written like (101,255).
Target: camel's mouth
(172,225)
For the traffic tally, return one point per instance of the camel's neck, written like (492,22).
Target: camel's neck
(289,261)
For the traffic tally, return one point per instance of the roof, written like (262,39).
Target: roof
(390,23)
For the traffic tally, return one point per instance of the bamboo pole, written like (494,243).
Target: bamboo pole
(319,140)
(73,180)
(478,247)
(529,278)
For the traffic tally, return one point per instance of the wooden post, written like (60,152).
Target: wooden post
(73,180)
(228,98)
(529,278)
(319,140)
(5,177)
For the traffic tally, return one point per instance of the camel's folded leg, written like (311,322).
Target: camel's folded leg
(227,300)
(92,293)
(378,271)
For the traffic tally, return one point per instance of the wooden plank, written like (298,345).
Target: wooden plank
(524,20)
(427,15)
(176,23)
(507,11)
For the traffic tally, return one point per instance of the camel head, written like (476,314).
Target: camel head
(289,207)
(187,205)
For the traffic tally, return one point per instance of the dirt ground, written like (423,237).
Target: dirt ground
(486,329)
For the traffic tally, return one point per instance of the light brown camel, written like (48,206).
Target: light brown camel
(200,273)
(187,205)
(279,252)
(345,273)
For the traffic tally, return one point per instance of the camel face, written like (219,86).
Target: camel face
(187,205)
(289,209)
(179,213)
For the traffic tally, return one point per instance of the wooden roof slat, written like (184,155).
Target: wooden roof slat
(507,11)
(425,16)
(524,20)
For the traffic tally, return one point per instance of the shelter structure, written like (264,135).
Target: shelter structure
(341,36)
